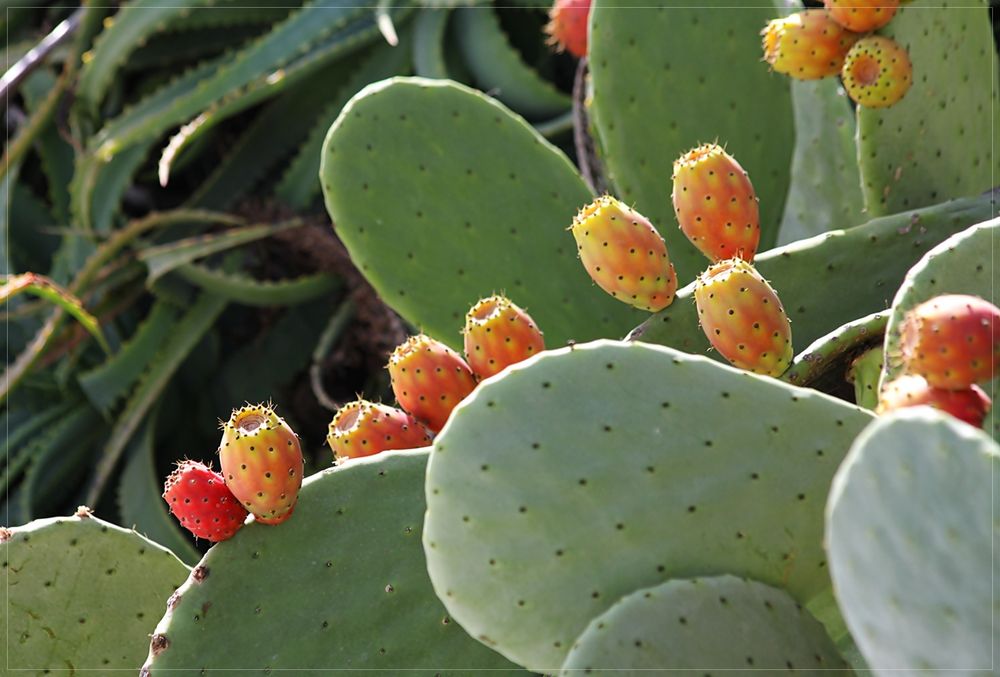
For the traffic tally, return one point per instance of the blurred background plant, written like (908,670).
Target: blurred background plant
(161,168)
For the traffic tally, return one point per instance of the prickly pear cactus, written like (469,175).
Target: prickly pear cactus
(83,594)
(434,228)
(933,144)
(832,279)
(962,264)
(340,585)
(712,60)
(828,357)
(715,623)
(588,472)
(910,532)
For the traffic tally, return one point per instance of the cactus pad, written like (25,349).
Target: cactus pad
(341,585)
(710,58)
(910,530)
(435,228)
(962,264)
(83,595)
(707,624)
(934,144)
(590,471)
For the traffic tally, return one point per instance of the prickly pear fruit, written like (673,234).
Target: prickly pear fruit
(363,428)
(877,72)
(262,462)
(199,498)
(861,16)
(715,203)
(968,404)
(429,379)
(952,340)
(497,334)
(807,45)
(742,317)
(624,254)
(567,26)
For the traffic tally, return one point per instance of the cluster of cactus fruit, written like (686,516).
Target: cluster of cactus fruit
(717,210)
(840,40)
(948,345)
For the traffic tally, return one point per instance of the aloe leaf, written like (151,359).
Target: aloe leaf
(39,285)
(251,292)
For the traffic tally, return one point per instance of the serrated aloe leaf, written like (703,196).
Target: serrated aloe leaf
(911,523)
(252,292)
(140,497)
(39,285)
(831,279)
(357,595)
(704,624)
(962,264)
(585,473)
(434,228)
(951,108)
(82,594)
(710,55)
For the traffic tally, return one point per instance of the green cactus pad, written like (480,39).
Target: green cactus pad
(83,595)
(935,143)
(829,280)
(443,196)
(587,472)
(831,354)
(705,624)
(910,525)
(965,263)
(671,77)
(340,585)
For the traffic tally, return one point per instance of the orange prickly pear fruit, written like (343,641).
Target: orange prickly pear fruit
(968,404)
(363,428)
(952,340)
(497,334)
(715,203)
(624,254)
(861,16)
(877,72)
(262,462)
(567,26)
(807,45)
(742,317)
(429,379)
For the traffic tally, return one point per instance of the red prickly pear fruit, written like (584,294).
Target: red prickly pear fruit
(952,340)
(199,498)
(429,379)
(742,317)
(968,404)
(877,72)
(567,26)
(715,204)
(497,334)
(861,16)
(624,254)
(262,462)
(363,428)
(807,45)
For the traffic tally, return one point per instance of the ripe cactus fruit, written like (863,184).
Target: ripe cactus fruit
(715,203)
(952,340)
(363,428)
(877,72)
(567,26)
(262,462)
(624,254)
(807,45)
(743,318)
(429,379)
(199,498)
(497,334)
(861,16)
(910,390)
